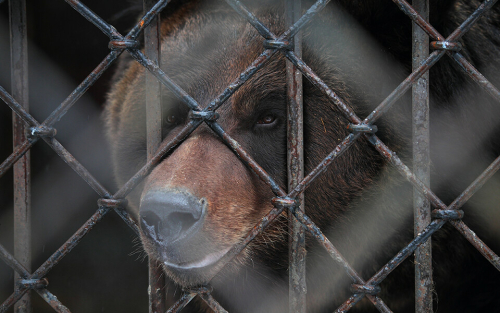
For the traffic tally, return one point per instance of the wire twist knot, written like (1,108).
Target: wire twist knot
(448,214)
(42,131)
(209,116)
(112,203)
(446,45)
(277,44)
(366,289)
(34,283)
(362,128)
(121,43)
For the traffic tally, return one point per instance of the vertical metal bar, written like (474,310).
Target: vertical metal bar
(297,249)
(421,161)
(154,119)
(22,192)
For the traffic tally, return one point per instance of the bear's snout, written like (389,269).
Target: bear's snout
(169,217)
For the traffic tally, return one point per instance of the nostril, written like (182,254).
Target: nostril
(178,223)
(151,225)
(170,216)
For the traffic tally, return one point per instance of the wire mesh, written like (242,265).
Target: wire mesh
(291,200)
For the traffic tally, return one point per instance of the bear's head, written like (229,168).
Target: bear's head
(202,199)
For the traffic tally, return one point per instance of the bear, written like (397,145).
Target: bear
(202,199)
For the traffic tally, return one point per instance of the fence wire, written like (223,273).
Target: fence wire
(288,44)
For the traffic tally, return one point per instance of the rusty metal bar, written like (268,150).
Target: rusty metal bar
(181,303)
(22,168)
(322,167)
(455,36)
(24,274)
(11,261)
(61,110)
(212,303)
(98,22)
(165,148)
(242,78)
(421,162)
(403,87)
(164,79)
(296,243)
(247,159)
(53,301)
(150,15)
(335,254)
(17,108)
(82,88)
(57,256)
(152,50)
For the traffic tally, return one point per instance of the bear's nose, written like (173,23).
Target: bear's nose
(166,217)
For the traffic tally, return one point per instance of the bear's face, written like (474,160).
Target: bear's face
(201,199)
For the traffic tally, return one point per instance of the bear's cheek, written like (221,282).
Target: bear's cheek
(197,204)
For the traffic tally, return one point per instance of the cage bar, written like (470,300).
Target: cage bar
(153,120)
(297,249)
(22,179)
(421,163)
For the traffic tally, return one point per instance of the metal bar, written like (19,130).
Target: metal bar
(403,87)
(164,149)
(66,248)
(153,87)
(67,157)
(421,162)
(304,19)
(335,254)
(82,88)
(476,185)
(11,261)
(15,156)
(17,108)
(242,78)
(247,159)
(52,301)
(404,170)
(491,256)
(322,167)
(296,249)
(456,35)
(24,273)
(106,28)
(433,33)
(153,128)
(57,114)
(181,303)
(57,256)
(254,21)
(12,299)
(349,303)
(22,168)
(164,79)
(147,18)
(212,303)
(473,73)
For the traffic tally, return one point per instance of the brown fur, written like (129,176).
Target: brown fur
(359,202)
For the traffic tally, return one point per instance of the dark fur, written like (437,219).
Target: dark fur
(361,203)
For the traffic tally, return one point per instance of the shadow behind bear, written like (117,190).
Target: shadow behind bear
(201,199)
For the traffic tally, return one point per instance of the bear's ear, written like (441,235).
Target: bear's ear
(120,83)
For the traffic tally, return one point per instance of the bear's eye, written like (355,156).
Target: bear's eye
(268,119)
(171,119)
(174,117)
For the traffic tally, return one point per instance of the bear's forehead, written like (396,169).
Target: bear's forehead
(215,57)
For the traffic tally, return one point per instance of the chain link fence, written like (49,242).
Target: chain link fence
(28,131)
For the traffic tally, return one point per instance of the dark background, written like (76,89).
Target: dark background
(104,273)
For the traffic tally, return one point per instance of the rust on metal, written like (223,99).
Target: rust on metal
(157,150)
